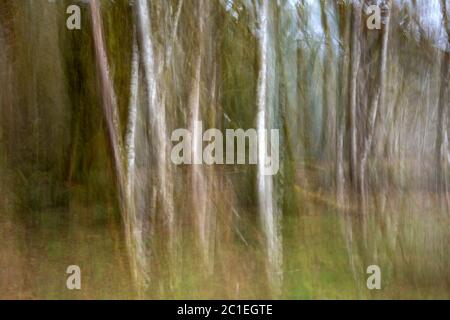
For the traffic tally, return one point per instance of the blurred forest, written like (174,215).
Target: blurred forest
(86,178)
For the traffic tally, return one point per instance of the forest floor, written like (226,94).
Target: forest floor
(323,254)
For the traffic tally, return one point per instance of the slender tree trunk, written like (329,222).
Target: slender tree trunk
(134,231)
(111,116)
(353,96)
(328,141)
(375,106)
(345,29)
(110,111)
(346,66)
(268,209)
(199,179)
(162,188)
(442,143)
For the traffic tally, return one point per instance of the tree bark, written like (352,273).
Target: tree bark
(442,143)
(329,99)
(345,29)
(375,105)
(355,57)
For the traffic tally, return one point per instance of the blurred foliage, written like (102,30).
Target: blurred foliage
(59,204)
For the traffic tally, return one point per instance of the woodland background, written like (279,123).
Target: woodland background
(85,123)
